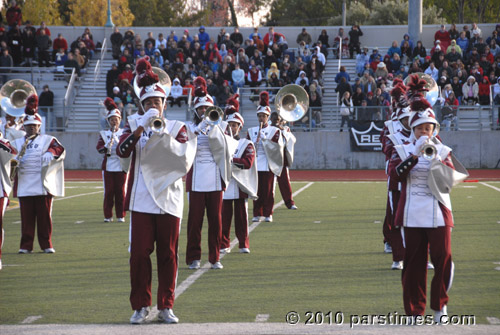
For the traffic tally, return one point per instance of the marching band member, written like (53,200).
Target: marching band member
(11,126)
(113,173)
(284,178)
(207,179)
(40,178)
(269,144)
(424,208)
(243,183)
(7,153)
(160,158)
(397,134)
(391,126)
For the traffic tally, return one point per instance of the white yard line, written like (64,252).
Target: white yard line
(490,186)
(31,319)
(182,287)
(65,198)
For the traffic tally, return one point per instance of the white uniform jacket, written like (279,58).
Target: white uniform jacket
(158,163)
(269,146)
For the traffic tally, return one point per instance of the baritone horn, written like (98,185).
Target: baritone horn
(13,96)
(292,102)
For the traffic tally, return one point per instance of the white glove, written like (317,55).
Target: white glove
(47,158)
(420,142)
(201,127)
(146,118)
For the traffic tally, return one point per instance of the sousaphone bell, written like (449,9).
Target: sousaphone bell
(13,96)
(157,124)
(291,102)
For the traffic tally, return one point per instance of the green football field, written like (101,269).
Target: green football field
(325,257)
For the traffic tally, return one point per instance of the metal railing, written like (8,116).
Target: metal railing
(328,118)
(69,98)
(98,64)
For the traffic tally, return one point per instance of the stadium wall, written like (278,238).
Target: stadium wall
(318,150)
(380,36)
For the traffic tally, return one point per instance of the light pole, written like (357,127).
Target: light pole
(109,23)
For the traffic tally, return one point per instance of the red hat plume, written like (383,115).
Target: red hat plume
(397,81)
(110,104)
(233,105)
(416,89)
(264,98)
(31,105)
(145,74)
(200,87)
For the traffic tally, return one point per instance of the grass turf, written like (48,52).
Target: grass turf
(327,256)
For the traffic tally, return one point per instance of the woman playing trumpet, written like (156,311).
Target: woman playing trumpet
(113,173)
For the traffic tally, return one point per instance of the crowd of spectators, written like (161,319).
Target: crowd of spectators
(465,66)
(227,61)
(23,44)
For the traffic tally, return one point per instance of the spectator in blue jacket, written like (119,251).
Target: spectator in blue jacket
(406,37)
(342,74)
(463,43)
(203,37)
(394,49)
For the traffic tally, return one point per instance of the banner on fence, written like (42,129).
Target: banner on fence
(365,135)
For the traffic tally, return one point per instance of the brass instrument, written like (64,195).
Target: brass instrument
(111,141)
(291,102)
(214,115)
(432,94)
(14,162)
(157,125)
(164,82)
(13,96)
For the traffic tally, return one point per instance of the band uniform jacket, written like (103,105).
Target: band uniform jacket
(158,163)
(269,146)
(243,183)
(7,152)
(112,163)
(418,207)
(211,169)
(34,178)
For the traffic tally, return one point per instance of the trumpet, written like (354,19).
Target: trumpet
(157,125)
(214,115)
(428,151)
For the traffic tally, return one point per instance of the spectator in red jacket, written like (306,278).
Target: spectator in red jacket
(444,36)
(14,15)
(126,74)
(59,43)
(43,26)
(484,91)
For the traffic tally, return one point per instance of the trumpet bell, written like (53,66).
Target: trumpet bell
(433,89)
(164,82)
(291,102)
(13,96)
(157,125)
(214,115)
(429,151)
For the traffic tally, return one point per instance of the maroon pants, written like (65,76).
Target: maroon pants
(3,204)
(146,230)
(114,193)
(36,212)
(263,206)
(418,241)
(198,201)
(285,187)
(240,222)
(393,233)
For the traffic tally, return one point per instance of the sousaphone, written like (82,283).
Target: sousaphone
(13,96)
(291,102)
